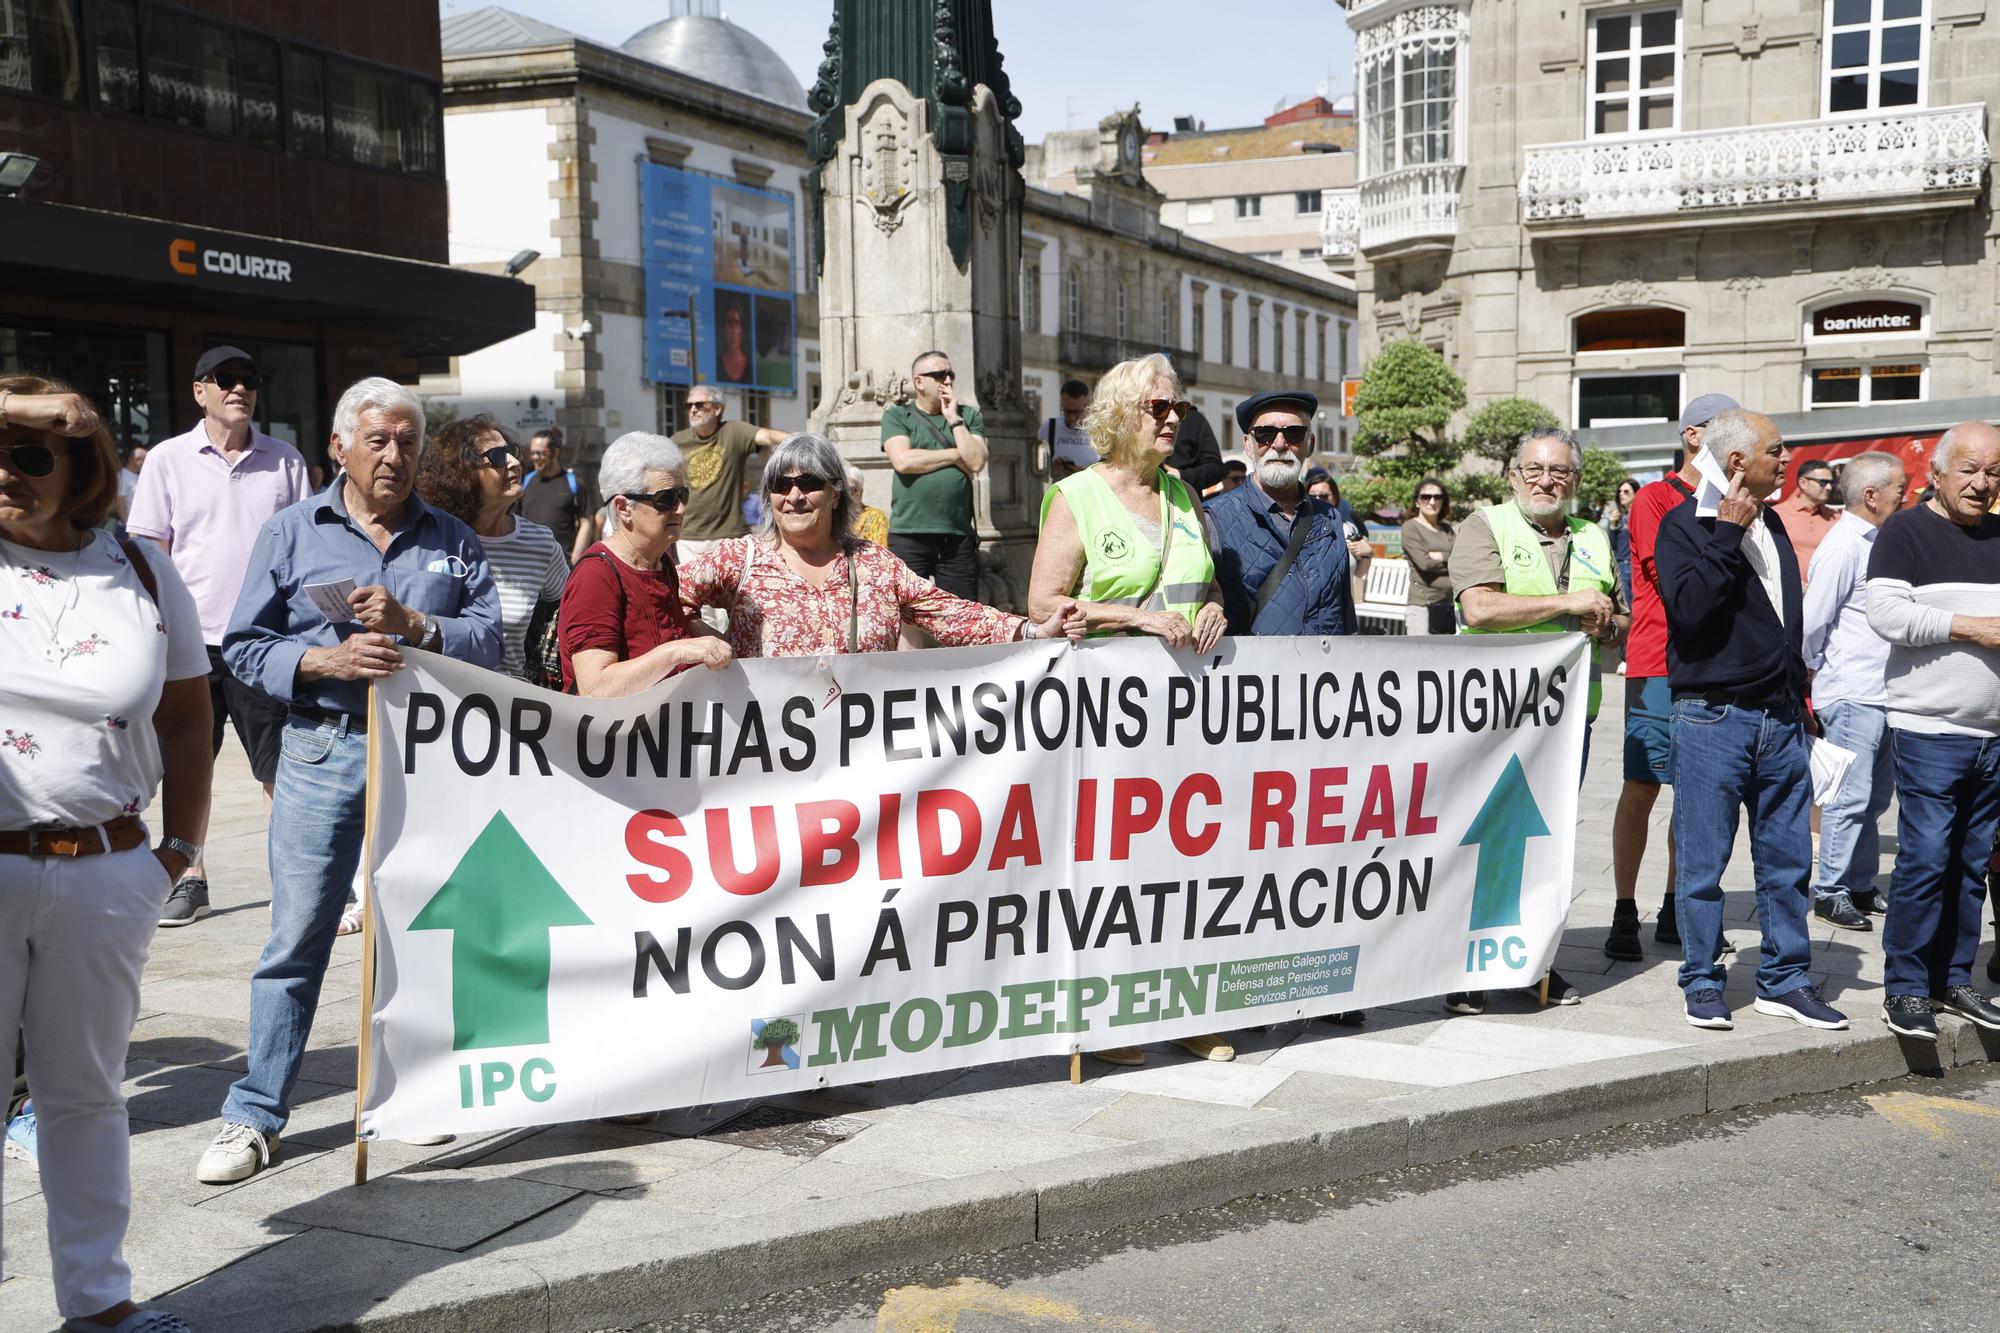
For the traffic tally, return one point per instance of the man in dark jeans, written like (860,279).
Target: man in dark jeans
(935,447)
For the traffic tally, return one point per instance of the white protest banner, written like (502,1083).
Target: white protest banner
(806,872)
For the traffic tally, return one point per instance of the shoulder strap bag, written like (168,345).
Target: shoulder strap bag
(1301,527)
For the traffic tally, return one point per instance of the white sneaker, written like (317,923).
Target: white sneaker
(237,1153)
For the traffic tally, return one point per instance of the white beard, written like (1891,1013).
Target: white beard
(1279,473)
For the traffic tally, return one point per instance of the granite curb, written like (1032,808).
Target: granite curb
(627,1264)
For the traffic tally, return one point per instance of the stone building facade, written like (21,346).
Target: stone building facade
(1613,206)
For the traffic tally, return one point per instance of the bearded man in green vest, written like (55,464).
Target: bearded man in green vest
(1531,567)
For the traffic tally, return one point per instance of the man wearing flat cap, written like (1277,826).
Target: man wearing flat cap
(1281,556)
(204,496)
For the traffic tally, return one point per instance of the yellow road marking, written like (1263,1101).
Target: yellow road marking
(936,1309)
(1925,1114)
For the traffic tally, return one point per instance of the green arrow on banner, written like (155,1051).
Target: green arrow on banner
(500,904)
(1501,829)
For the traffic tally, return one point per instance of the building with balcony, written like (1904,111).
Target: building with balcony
(1104,277)
(1614,206)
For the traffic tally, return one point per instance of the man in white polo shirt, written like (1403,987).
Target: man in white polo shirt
(204,496)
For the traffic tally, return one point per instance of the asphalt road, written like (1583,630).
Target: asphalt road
(1866,1209)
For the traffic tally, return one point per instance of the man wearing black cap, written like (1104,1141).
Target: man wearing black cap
(1280,555)
(204,496)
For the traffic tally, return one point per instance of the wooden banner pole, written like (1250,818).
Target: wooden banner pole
(365,1039)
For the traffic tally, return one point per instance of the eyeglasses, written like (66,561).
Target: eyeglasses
(666,501)
(941,376)
(497,457)
(1266,434)
(1536,471)
(1816,480)
(1160,408)
(806,482)
(226,380)
(1433,498)
(30,460)
(704,407)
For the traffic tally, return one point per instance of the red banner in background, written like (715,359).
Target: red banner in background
(1914,450)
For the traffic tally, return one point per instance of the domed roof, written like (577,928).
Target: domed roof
(717,51)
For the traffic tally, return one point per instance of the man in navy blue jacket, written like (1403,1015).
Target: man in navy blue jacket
(1256,523)
(1735,610)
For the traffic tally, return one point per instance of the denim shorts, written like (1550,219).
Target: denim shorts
(1649,732)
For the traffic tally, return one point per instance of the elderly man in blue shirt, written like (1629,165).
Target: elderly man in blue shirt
(1281,556)
(419,579)
(1850,692)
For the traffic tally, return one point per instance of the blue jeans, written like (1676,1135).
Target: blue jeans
(1948,802)
(315,847)
(1726,760)
(1850,841)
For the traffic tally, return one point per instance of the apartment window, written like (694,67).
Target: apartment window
(1324,372)
(379,120)
(1307,203)
(39,49)
(1198,326)
(757,409)
(1256,335)
(1228,329)
(670,409)
(1118,314)
(1166,318)
(1868,382)
(305,75)
(115,35)
(1249,205)
(1875,52)
(1200,212)
(1299,345)
(1409,88)
(1031,297)
(1635,62)
(1073,302)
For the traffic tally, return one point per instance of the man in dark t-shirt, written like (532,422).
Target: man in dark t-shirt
(556,498)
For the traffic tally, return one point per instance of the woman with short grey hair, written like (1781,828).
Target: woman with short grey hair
(805,584)
(622,626)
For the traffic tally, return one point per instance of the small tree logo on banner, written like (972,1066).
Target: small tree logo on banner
(1501,831)
(774,1043)
(500,904)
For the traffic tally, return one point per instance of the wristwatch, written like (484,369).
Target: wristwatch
(1028,631)
(431,633)
(184,847)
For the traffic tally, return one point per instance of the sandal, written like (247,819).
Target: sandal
(350,920)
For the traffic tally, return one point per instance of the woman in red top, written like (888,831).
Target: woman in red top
(805,584)
(623,629)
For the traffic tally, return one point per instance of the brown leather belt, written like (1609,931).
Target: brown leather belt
(121,834)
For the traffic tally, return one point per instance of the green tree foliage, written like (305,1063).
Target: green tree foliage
(1602,471)
(778,1032)
(1495,428)
(1403,407)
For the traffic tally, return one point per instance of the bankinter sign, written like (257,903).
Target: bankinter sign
(1853,317)
(184,256)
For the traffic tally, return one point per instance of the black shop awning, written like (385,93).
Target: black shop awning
(83,254)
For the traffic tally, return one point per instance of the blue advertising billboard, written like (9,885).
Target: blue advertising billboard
(722,252)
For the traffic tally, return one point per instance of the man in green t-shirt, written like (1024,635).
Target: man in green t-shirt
(935,447)
(716,453)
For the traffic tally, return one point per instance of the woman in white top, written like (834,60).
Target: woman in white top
(104,697)
(472,470)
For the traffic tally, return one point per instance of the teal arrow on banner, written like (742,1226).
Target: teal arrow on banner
(1501,830)
(500,904)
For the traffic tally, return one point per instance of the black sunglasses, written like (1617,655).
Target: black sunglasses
(1266,434)
(807,482)
(227,380)
(30,460)
(1159,408)
(1432,496)
(666,501)
(941,376)
(497,456)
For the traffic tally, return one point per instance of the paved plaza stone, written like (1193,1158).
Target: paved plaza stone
(590,1226)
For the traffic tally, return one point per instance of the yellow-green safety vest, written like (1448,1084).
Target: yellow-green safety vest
(1591,566)
(1124,567)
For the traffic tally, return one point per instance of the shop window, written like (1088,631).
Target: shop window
(1635,71)
(1875,55)
(115,37)
(124,373)
(1860,385)
(39,50)
(1605,400)
(1630,330)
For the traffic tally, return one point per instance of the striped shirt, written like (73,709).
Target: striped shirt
(1925,569)
(528,567)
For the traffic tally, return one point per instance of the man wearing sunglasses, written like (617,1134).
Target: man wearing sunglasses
(717,452)
(936,447)
(1281,556)
(203,497)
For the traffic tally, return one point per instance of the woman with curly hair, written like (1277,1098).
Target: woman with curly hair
(472,470)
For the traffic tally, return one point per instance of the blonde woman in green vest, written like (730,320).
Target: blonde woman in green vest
(1529,566)
(1127,540)
(1125,537)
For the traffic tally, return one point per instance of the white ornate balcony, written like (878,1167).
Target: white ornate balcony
(1415,208)
(1340,225)
(1919,159)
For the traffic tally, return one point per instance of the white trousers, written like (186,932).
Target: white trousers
(1416,619)
(73,941)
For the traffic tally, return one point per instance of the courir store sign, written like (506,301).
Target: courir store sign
(804,872)
(185,257)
